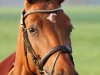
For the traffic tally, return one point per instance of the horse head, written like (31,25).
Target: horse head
(44,45)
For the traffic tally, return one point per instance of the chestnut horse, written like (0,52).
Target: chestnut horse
(44,45)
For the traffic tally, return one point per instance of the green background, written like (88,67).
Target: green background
(85,37)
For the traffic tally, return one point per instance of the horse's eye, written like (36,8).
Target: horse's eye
(33,30)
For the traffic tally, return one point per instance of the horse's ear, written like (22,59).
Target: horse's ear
(30,1)
(60,1)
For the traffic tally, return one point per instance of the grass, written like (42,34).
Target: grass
(86,49)
(85,37)
(9,21)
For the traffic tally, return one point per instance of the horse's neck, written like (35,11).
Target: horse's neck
(18,61)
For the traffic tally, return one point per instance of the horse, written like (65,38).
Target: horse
(44,44)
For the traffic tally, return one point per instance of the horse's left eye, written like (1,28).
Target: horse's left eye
(33,30)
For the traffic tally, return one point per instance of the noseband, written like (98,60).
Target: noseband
(40,62)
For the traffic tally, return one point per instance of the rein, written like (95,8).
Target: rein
(40,62)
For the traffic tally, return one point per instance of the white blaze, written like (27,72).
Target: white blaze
(51,17)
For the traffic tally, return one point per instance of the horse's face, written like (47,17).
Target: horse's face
(48,30)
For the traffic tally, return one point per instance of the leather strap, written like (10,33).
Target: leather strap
(51,52)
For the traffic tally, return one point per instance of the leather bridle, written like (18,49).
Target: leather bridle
(40,62)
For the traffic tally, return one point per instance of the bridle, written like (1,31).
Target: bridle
(40,62)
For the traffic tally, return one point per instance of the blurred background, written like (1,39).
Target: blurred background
(85,17)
